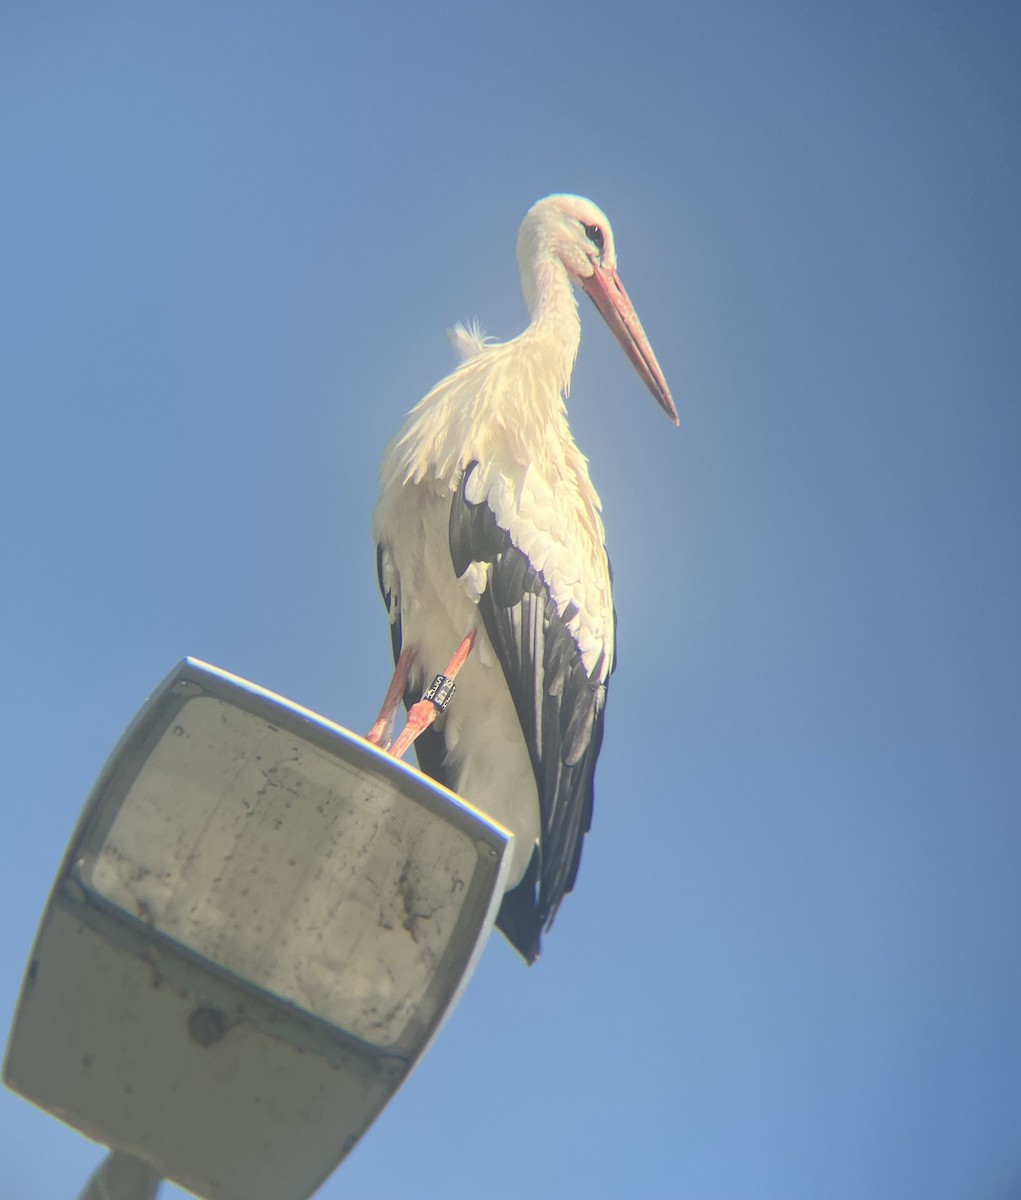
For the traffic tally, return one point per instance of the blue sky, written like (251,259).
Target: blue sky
(233,236)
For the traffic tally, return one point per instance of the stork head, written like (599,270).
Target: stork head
(576,233)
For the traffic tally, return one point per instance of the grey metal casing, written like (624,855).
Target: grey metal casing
(260,924)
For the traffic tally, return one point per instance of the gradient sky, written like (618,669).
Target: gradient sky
(233,236)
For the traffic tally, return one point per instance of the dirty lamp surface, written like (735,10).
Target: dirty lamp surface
(260,923)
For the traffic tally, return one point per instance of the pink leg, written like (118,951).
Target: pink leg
(422,714)
(382,731)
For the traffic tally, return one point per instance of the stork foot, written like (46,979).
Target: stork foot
(436,698)
(382,730)
(420,717)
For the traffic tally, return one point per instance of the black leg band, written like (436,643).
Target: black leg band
(440,691)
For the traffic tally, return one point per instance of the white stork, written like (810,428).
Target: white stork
(489,537)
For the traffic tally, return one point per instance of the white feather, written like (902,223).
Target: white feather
(468,340)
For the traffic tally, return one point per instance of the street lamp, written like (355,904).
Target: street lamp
(259,925)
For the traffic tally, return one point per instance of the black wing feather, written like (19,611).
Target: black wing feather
(559,706)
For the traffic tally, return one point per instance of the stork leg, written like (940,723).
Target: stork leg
(383,728)
(422,714)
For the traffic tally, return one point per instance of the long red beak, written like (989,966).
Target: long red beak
(608,295)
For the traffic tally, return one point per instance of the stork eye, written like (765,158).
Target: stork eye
(595,236)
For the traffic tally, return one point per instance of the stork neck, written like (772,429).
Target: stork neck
(555,321)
